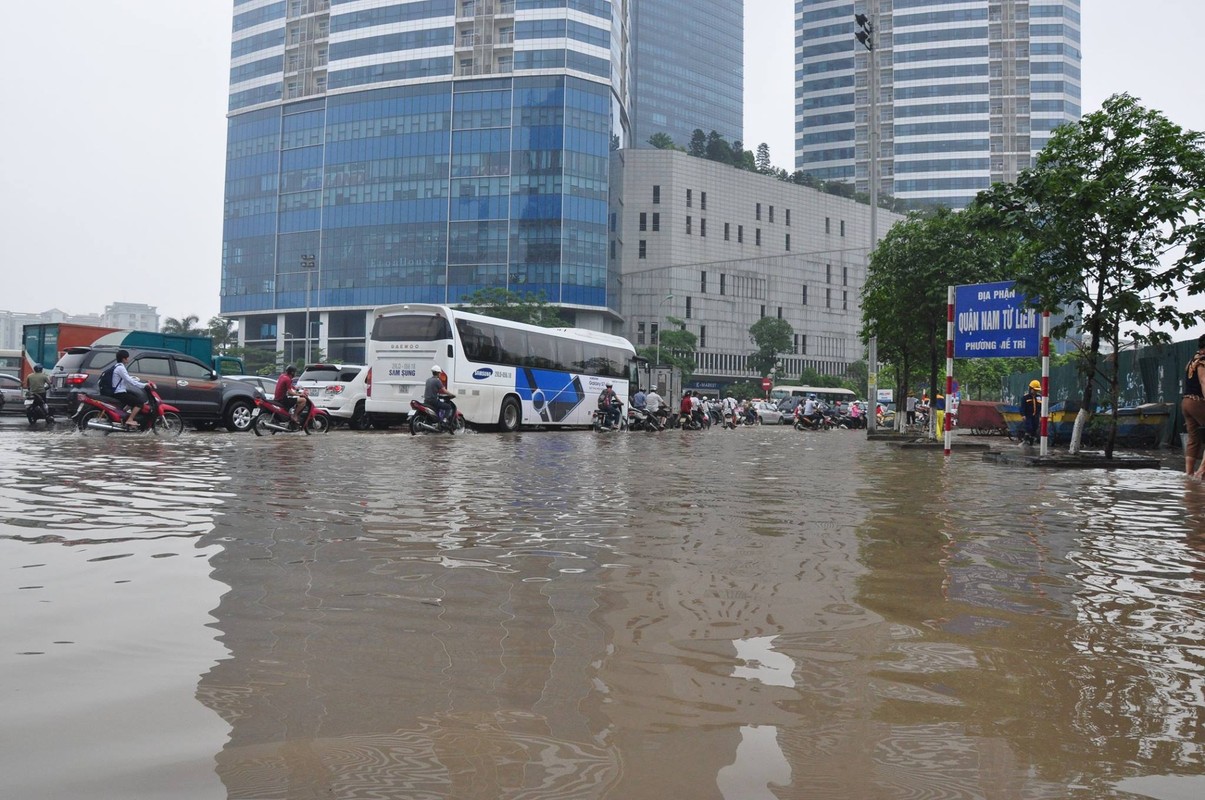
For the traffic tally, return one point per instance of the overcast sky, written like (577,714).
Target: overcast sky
(114,136)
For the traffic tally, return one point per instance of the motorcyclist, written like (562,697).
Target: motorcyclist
(729,406)
(656,406)
(35,384)
(609,404)
(287,395)
(434,393)
(129,391)
(810,410)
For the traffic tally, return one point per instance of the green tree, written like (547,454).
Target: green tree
(771,336)
(185,326)
(718,149)
(1111,218)
(222,331)
(677,349)
(663,141)
(763,159)
(527,307)
(698,144)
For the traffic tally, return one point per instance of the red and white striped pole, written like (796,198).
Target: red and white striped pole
(1044,447)
(947,426)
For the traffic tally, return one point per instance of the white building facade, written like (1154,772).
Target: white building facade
(728,247)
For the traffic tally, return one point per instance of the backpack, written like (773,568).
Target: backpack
(106,380)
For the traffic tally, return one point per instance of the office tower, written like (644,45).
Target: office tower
(418,151)
(969,91)
(688,69)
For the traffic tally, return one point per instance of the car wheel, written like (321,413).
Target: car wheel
(238,416)
(511,415)
(358,419)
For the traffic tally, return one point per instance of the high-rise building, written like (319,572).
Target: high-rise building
(969,91)
(418,151)
(688,69)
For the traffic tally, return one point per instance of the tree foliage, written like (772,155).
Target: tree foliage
(771,336)
(185,326)
(1111,219)
(528,307)
(222,331)
(662,141)
(677,349)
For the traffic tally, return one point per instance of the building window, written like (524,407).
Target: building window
(688,307)
(842,227)
(702,336)
(702,227)
(703,282)
(758,213)
(688,226)
(612,249)
(757,237)
(654,333)
(656,195)
(726,231)
(845,301)
(788,241)
(828,224)
(845,276)
(643,248)
(780,312)
(644,221)
(703,201)
(613,221)
(805,294)
(803,344)
(771,213)
(828,298)
(656,220)
(722,283)
(740,234)
(794,347)
(828,273)
(763,312)
(688,198)
(788,212)
(639,333)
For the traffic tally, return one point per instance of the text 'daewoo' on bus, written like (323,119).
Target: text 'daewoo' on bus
(502,373)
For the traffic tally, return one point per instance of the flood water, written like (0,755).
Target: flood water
(740,615)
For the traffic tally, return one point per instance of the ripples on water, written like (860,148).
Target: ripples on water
(745,614)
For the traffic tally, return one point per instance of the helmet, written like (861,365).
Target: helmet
(1035,384)
(608,384)
(653,388)
(37,367)
(290,370)
(435,369)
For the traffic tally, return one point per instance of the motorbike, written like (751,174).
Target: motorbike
(94,414)
(36,409)
(599,420)
(819,422)
(640,419)
(694,421)
(425,418)
(272,418)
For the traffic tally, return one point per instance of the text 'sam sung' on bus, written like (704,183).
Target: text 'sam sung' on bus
(502,373)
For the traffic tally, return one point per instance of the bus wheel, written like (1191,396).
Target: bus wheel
(510,416)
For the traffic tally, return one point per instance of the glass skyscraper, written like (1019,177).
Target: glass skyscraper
(417,151)
(688,59)
(969,91)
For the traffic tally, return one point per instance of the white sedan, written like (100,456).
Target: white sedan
(769,414)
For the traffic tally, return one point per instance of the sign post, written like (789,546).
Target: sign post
(766,383)
(993,320)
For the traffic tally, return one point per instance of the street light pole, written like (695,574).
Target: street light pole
(667,298)
(307,264)
(866,37)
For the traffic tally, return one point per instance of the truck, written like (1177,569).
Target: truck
(46,342)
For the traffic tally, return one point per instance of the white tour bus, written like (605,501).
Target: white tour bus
(503,373)
(828,394)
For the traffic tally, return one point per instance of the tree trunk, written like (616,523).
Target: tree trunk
(1114,393)
(1093,359)
(933,388)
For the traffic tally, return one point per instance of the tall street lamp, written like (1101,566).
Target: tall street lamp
(667,298)
(307,264)
(866,37)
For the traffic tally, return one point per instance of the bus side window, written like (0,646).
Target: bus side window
(570,356)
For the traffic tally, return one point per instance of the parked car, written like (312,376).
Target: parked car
(204,399)
(12,396)
(343,397)
(266,385)
(769,414)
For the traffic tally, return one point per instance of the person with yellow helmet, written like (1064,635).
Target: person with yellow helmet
(1031,411)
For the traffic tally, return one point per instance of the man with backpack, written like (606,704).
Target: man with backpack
(124,387)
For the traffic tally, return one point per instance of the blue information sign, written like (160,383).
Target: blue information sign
(992,320)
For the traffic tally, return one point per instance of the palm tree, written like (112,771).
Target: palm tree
(183,326)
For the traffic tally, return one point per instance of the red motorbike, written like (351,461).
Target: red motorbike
(273,418)
(94,414)
(425,418)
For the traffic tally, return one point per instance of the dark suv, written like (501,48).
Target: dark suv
(204,399)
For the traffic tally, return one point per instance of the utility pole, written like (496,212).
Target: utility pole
(307,264)
(866,37)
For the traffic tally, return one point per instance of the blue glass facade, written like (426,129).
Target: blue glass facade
(418,187)
(689,71)
(985,79)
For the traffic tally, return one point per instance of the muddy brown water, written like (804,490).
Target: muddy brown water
(740,615)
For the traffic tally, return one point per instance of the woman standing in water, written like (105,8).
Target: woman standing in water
(1193,407)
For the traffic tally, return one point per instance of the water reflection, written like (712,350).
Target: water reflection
(745,614)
